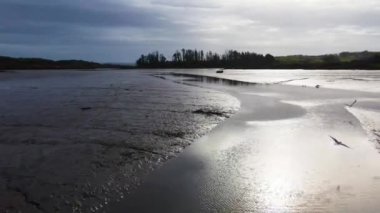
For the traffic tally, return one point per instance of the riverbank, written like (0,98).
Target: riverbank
(74,141)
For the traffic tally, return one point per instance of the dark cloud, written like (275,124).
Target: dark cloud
(46,25)
(103,15)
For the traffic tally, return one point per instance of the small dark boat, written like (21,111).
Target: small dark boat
(220,71)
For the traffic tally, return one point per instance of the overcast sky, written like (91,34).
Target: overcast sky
(120,30)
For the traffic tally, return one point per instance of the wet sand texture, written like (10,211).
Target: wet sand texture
(75,141)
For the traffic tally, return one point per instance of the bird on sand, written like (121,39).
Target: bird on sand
(339,143)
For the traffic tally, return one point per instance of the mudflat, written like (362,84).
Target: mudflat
(74,141)
(111,141)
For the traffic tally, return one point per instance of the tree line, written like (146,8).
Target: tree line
(188,58)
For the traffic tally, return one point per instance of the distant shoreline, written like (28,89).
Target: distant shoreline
(169,68)
(193,59)
(174,68)
(9,63)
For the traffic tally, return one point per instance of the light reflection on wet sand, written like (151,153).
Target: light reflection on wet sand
(361,80)
(274,155)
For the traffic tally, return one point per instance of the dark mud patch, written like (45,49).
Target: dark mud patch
(212,112)
(159,76)
(211,79)
(376,133)
(170,134)
(290,80)
(26,198)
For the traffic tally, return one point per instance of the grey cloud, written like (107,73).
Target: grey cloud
(186,4)
(298,16)
(120,30)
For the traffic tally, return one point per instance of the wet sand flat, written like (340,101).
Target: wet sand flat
(75,141)
(274,155)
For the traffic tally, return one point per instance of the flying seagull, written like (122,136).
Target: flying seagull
(351,105)
(339,143)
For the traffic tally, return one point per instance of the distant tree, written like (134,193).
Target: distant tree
(183,54)
(269,58)
(177,56)
(330,59)
(153,59)
(141,61)
(162,59)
